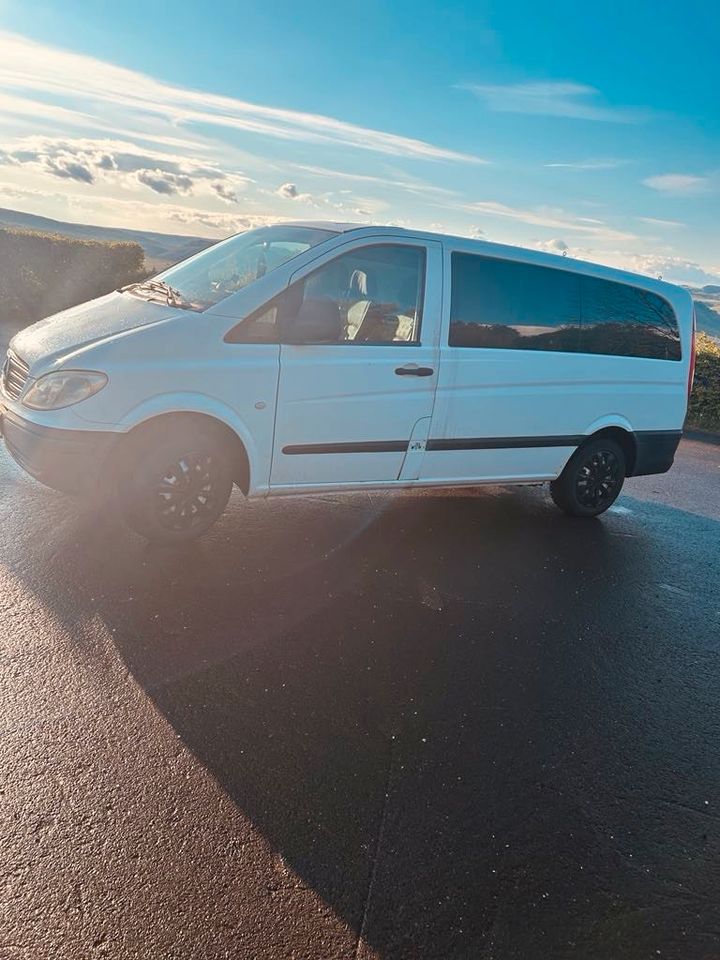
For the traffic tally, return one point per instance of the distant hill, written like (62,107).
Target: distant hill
(160,248)
(708,320)
(707,308)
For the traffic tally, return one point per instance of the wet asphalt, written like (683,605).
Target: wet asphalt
(447,725)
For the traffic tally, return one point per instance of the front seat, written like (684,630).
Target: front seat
(407,310)
(359,292)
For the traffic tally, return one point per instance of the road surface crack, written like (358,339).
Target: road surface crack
(378,848)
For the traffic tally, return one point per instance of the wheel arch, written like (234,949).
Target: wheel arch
(624,437)
(159,422)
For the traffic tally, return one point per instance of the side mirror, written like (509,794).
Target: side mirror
(317,321)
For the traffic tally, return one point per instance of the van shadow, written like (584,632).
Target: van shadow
(415,701)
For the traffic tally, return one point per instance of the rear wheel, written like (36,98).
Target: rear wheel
(176,486)
(592,478)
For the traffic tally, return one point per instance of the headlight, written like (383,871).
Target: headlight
(63,389)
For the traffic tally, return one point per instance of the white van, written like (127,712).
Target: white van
(310,357)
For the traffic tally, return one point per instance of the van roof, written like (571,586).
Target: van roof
(490,248)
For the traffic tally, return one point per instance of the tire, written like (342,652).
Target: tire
(177,483)
(592,478)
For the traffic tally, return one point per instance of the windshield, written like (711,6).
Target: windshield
(227,267)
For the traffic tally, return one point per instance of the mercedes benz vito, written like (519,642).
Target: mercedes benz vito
(309,357)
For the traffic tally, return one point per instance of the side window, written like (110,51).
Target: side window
(373,294)
(259,327)
(513,306)
(626,321)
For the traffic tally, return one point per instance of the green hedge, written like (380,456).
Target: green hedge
(43,273)
(704,410)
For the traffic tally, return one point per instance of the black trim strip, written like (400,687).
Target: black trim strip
(369,446)
(503,443)
(467,443)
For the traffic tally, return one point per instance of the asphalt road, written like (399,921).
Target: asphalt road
(457,725)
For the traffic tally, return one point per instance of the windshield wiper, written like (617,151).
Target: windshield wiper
(158,289)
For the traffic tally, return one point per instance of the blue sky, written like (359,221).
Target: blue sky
(588,128)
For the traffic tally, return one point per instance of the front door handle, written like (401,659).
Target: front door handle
(411,370)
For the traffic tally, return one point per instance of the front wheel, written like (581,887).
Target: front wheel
(592,478)
(176,486)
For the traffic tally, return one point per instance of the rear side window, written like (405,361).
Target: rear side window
(521,306)
(626,321)
(513,306)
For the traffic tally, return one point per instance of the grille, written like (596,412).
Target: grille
(14,376)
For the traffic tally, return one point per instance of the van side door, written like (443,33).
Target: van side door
(359,332)
(514,394)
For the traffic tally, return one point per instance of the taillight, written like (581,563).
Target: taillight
(693,353)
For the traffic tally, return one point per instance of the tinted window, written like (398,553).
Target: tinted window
(371,295)
(625,321)
(499,303)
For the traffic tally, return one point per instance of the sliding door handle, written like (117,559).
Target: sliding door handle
(411,370)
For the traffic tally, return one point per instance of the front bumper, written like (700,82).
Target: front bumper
(66,460)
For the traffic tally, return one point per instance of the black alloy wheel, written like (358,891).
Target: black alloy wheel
(598,480)
(187,493)
(177,481)
(592,479)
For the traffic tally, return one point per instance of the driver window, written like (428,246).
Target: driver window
(371,295)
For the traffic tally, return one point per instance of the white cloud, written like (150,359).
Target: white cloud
(107,153)
(136,214)
(40,70)
(123,164)
(681,184)
(588,165)
(65,166)
(335,203)
(9,191)
(165,183)
(221,224)
(552,246)
(289,191)
(170,216)
(14,106)
(551,218)
(671,268)
(224,191)
(657,222)
(414,186)
(551,98)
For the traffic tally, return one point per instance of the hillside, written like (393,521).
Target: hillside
(160,248)
(707,310)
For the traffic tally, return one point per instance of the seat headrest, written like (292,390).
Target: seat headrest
(359,285)
(359,282)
